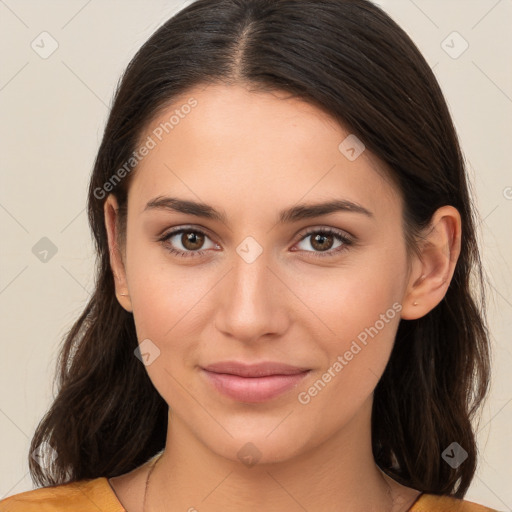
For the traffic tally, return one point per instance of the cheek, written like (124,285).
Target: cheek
(357,350)
(358,310)
(346,300)
(160,291)
(167,310)
(168,304)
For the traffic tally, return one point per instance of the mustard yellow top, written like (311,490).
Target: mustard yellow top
(96,495)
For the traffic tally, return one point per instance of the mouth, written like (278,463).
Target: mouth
(253,382)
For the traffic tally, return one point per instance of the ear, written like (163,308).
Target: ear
(433,269)
(116,258)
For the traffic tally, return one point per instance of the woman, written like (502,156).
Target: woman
(282,317)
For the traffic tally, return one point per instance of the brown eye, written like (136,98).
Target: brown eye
(322,242)
(192,240)
(187,242)
(325,242)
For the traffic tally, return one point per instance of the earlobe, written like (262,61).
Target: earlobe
(434,267)
(116,261)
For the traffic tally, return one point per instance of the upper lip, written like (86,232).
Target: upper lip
(254,370)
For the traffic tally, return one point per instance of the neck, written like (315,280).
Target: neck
(340,470)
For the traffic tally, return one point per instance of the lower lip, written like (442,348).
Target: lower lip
(253,389)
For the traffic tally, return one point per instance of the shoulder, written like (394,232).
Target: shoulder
(435,503)
(84,496)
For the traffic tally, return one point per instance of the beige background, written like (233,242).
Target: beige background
(53,113)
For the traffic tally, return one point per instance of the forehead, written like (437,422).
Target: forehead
(230,146)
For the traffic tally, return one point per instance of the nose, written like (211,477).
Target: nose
(252,299)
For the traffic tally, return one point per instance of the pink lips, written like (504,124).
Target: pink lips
(254,382)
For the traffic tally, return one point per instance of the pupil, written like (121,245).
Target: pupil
(319,240)
(191,239)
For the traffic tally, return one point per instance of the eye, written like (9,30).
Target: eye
(191,240)
(324,239)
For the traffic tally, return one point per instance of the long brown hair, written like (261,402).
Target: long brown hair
(351,59)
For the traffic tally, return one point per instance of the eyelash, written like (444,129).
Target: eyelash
(347,242)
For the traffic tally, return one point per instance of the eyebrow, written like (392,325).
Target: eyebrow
(289,215)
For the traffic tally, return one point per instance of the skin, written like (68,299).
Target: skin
(249,155)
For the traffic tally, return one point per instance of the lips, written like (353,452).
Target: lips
(254,370)
(253,382)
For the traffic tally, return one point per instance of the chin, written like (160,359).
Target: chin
(257,447)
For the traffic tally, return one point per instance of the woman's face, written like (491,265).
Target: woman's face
(260,285)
